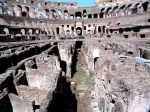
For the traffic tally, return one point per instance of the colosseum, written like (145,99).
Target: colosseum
(59,57)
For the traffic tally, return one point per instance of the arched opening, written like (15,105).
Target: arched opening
(57,30)
(95,60)
(95,15)
(53,13)
(25,1)
(101,15)
(52,4)
(6,31)
(71,5)
(84,11)
(65,14)
(79,31)
(24,14)
(1,4)
(59,12)
(23,31)
(65,5)
(9,12)
(47,10)
(71,16)
(84,14)
(39,4)
(99,29)
(145,6)
(89,16)
(78,15)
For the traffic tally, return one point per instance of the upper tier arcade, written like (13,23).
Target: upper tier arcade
(67,11)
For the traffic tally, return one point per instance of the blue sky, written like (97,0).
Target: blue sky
(81,3)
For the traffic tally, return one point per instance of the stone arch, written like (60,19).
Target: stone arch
(95,15)
(1,3)
(122,10)
(99,29)
(95,60)
(65,14)
(78,15)
(23,31)
(57,30)
(128,9)
(79,31)
(59,12)
(90,16)
(145,6)
(37,32)
(6,31)
(84,14)
(101,15)
(25,1)
(71,16)
(53,11)
(39,4)
(65,11)
(47,10)
(24,14)
(30,32)
(115,10)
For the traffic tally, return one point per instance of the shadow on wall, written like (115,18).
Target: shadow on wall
(78,46)
(62,99)
(63,65)
(9,84)
(5,104)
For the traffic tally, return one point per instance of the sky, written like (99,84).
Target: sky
(81,3)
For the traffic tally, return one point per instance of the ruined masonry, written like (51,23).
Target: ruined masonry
(58,57)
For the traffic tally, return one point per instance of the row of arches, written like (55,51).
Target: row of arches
(104,12)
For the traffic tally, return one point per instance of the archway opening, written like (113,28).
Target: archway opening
(24,14)
(57,30)
(99,29)
(78,15)
(89,16)
(95,16)
(101,15)
(145,6)
(79,31)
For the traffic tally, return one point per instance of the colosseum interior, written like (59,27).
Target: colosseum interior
(59,57)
